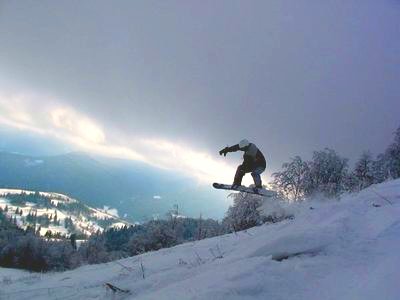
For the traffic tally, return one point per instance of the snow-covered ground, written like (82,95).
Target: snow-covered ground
(348,249)
(46,194)
(80,221)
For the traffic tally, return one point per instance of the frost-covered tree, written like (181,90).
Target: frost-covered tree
(392,154)
(327,172)
(162,235)
(387,164)
(380,169)
(55,220)
(94,250)
(351,183)
(72,239)
(244,212)
(364,171)
(290,182)
(61,256)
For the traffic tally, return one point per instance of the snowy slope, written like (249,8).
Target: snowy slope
(86,223)
(346,249)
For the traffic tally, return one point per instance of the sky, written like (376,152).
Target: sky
(170,83)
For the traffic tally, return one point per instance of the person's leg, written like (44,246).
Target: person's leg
(256,177)
(239,176)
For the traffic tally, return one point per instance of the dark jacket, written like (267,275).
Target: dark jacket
(253,157)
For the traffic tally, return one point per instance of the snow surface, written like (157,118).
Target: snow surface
(347,249)
(106,212)
(86,226)
(45,194)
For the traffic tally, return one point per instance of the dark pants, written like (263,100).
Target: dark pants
(255,173)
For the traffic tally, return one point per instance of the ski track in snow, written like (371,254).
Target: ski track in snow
(345,249)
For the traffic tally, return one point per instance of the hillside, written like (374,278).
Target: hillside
(54,214)
(347,249)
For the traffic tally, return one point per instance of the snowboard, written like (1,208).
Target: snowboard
(245,189)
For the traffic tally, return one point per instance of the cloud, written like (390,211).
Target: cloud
(76,124)
(157,197)
(52,118)
(171,155)
(109,210)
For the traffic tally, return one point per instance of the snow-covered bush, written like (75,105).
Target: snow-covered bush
(153,235)
(290,182)
(362,175)
(368,171)
(276,209)
(387,164)
(94,250)
(244,213)
(325,174)
(26,250)
(327,171)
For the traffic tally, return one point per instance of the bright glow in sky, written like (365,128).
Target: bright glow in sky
(78,125)
(72,127)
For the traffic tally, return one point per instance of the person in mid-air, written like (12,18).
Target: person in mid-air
(254,162)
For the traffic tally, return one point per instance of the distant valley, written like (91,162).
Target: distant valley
(139,192)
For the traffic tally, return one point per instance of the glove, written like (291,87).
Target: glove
(224,151)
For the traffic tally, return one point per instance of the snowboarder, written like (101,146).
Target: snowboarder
(254,162)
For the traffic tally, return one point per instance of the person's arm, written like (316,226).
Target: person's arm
(233,148)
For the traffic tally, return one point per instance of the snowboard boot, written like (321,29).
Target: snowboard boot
(235,186)
(257,180)
(257,189)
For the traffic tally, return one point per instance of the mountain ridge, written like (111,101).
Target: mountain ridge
(129,186)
